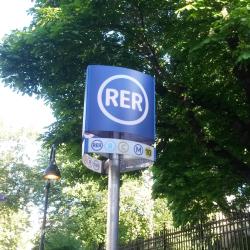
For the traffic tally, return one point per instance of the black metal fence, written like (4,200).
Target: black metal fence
(221,233)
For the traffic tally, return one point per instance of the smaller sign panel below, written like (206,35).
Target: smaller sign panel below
(128,166)
(134,155)
(119,146)
(92,163)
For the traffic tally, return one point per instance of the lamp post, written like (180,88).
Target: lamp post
(51,173)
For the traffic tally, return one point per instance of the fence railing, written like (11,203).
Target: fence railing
(221,233)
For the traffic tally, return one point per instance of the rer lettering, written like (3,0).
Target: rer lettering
(124,99)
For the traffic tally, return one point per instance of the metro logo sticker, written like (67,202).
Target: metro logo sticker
(96,145)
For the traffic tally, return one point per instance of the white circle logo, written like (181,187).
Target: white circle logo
(111,116)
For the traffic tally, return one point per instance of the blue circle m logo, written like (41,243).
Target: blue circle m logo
(128,95)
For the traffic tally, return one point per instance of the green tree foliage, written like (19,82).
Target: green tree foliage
(13,224)
(19,187)
(199,52)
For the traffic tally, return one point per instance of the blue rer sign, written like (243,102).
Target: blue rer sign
(119,100)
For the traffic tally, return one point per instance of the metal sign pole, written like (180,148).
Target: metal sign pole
(113,203)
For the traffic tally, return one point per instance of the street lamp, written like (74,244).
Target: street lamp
(51,173)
